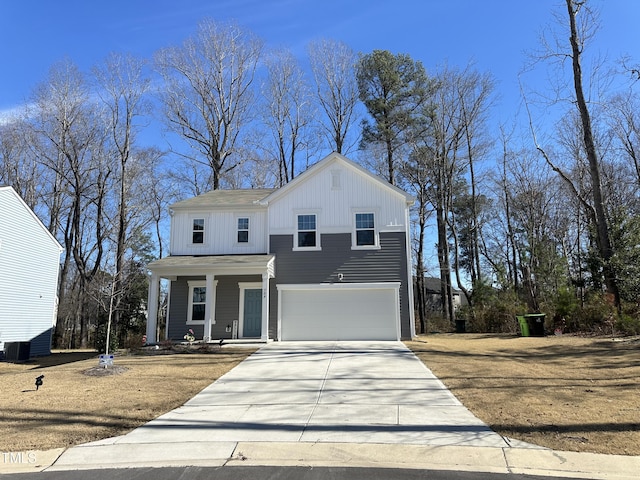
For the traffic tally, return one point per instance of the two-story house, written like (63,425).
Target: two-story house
(325,257)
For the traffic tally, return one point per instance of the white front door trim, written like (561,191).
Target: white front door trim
(243,287)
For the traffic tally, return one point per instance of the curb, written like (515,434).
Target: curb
(29,461)
(531,461)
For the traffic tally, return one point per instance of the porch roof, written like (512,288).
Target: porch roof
(175,265)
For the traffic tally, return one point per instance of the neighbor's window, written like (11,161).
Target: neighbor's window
(307,230)
(198,302)
(243,230)
(198,231)
(365,229)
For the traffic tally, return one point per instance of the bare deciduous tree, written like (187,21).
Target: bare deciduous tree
(333,64)
(71,144)
(582,23)
(288,113)
(208,93)
(122,87)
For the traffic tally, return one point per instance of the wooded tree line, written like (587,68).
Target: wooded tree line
(548,221)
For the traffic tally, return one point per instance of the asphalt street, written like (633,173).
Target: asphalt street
(268,473)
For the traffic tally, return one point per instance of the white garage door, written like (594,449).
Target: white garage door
(339,311)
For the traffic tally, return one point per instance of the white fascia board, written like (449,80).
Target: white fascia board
(339,285)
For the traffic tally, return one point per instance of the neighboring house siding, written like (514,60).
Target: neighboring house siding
(29,266)
(220,234)
(388,264)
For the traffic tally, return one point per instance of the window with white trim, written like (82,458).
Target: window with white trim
(243,230)
(197,231)
(365,230)
(306,231)
(197,302)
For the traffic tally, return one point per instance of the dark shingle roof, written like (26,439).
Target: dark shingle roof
(225,198)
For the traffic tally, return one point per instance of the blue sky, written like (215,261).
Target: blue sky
(494,33)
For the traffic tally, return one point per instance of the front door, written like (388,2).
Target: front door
(252,321)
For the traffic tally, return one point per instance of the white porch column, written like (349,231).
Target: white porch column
(265,307)
(209,307)
(152,307)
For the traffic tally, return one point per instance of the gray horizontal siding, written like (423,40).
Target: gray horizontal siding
(227,306)
(228,302)
(387,264)
(178,307)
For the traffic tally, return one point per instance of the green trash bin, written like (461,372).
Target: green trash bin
(524,326)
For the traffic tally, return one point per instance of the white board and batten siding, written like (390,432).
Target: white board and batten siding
(220,232)
(29,268)
(326,193)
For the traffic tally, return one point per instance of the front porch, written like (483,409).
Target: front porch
(217,297)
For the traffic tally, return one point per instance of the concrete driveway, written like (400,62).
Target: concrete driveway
(305,393)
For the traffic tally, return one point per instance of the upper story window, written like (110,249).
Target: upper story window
(365,230)
(243,230)
(197,233)
(307,231)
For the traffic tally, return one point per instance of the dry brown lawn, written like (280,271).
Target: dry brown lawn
(73,407)
(565,392)
(562,392)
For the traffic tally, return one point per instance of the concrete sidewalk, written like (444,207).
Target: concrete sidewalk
(329,403)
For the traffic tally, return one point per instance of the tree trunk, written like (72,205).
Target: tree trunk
(445,268)
(420,265)
(603,240)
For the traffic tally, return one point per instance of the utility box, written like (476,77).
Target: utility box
(17,351)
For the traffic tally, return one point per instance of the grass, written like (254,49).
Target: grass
(562,392)
(72,407)
(565,392)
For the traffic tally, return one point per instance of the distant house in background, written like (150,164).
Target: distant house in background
(433,296)
(29,267)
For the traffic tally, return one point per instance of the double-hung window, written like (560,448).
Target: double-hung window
(243,230)
(197,302)
(197,232)
(365,230)
(307,231)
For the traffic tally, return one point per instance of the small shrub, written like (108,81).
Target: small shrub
(101,339)
(565,303)
(494,311)
(597,315)
(628,325)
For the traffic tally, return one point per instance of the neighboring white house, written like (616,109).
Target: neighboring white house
(29,267)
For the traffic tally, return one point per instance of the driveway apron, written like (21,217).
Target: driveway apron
(341,392)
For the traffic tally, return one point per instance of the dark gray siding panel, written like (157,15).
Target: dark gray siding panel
(227,305)
(388,264)
(228,302)
(178,306)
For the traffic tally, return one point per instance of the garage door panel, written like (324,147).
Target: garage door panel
(339,314)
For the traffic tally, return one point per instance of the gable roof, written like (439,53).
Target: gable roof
(326,162)
(225,198)
(9,191)
(433,285)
